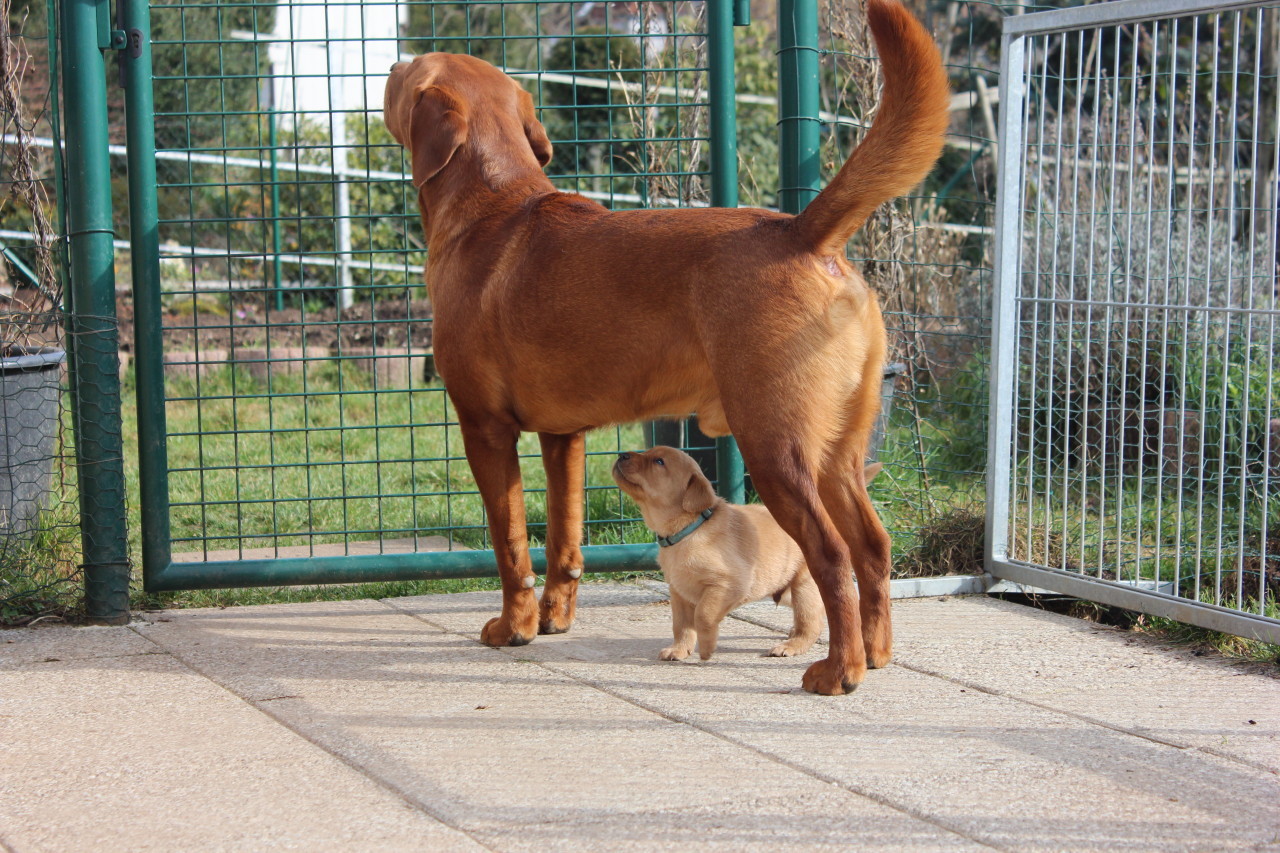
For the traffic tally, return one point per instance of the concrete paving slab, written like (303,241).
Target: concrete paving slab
(1008,773)
(505,749)
(265,727)
(137,752)
(52,643)
(1081,667)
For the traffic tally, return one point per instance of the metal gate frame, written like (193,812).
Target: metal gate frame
(1014,72)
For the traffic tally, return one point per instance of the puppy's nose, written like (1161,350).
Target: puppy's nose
(623,457)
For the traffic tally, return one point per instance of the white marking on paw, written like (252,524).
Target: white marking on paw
(574,573)
(529,581)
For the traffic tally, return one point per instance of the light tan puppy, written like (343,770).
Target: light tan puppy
(715,555)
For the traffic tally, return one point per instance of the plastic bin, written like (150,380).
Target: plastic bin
(30,388)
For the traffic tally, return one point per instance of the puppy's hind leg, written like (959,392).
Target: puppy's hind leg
(707,616)
(564,458)
(806,604)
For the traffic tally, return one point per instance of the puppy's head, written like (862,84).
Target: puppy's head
(663,480)
(438,103)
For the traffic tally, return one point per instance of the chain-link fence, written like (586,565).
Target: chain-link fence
(39,518)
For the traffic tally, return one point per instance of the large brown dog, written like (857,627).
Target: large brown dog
(554,315)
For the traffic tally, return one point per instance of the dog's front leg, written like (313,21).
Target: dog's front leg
(491,452)
(564,458)
(681,628)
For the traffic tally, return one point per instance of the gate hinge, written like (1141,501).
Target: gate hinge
(127,40)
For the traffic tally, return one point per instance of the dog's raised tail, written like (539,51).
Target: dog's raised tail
(905,138)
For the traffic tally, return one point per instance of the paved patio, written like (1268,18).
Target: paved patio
(385,725)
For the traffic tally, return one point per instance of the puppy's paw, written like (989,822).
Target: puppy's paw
(674,653)
(789,649)
(831,678)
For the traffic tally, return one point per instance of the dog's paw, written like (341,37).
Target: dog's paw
(500,632)
(830,678)
(879,659)
(674,653)
(786,650)
(556,610)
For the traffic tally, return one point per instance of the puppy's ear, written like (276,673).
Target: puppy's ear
(534,130)
(437,128)
(697,493)
(870,471)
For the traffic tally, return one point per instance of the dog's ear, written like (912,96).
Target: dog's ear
(869,472)
(437,128)
(534,130)
(697,493)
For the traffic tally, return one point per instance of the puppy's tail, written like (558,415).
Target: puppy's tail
(904,140)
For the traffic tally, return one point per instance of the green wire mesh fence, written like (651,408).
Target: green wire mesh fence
(302,418)
(303,415)
(929,256)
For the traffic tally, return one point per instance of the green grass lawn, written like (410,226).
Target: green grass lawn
(325,458)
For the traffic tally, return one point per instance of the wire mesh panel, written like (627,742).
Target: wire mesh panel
(1138,314)
(929,258)
(303,418)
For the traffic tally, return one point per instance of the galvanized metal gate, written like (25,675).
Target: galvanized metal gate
(1135,448)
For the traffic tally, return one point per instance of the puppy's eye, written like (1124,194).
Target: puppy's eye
(659,462)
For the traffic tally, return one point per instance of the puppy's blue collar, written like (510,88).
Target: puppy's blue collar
(668,541)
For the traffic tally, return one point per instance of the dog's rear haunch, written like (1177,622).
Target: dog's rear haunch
(554,315)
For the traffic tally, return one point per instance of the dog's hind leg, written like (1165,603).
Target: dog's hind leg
(844,494)
(491,452)
(806,606)
(564,458)
(843,486)
(785,475)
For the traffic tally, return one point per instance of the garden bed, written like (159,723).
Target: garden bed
(251,321)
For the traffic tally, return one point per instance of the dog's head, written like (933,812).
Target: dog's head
(439,104)
(663,481)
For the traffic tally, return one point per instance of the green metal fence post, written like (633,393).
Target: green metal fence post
(273,142)
(96,369)
(798,105)
(730,473)
(144,227)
